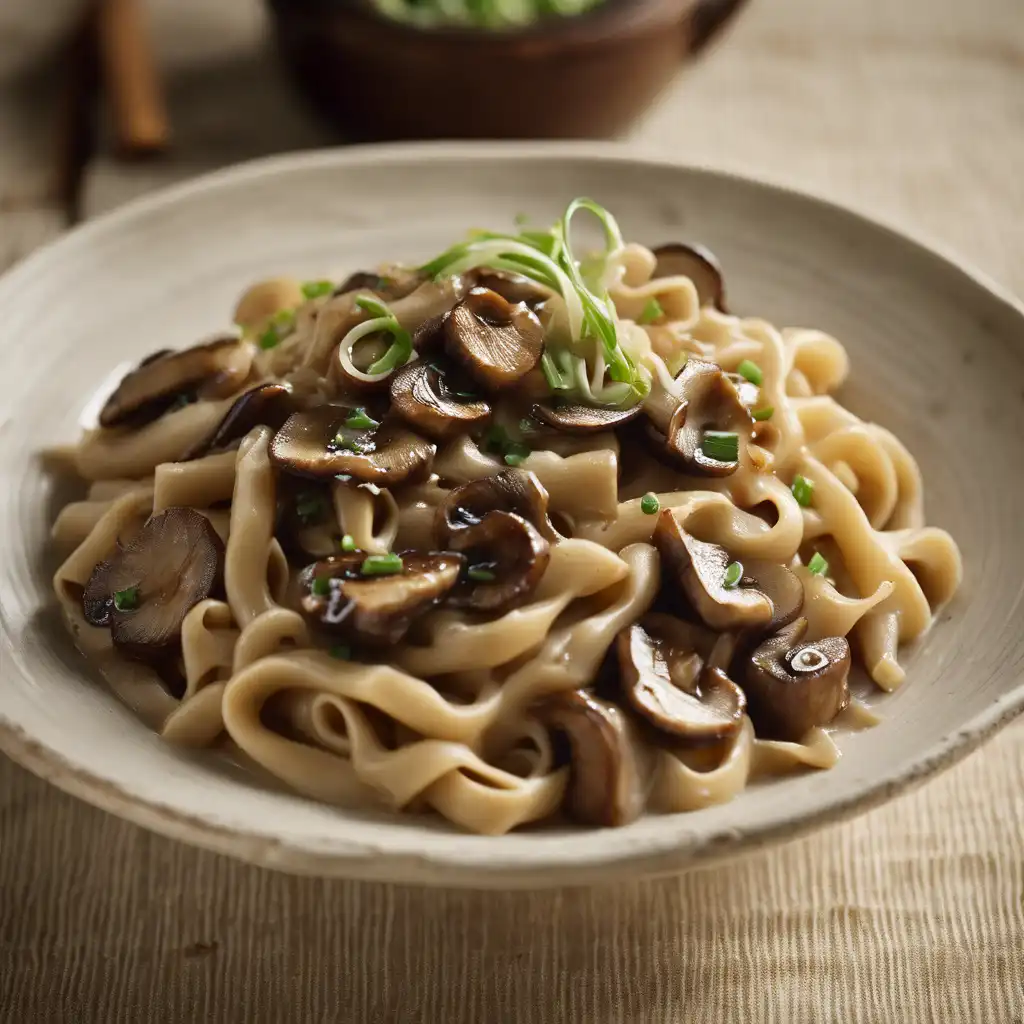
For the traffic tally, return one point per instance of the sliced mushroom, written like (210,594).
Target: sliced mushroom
(144,591)
(426,396)
(317,443)
(513,490)
(214,369)
(428,338)
(574,418)
(708,402)
(793,686)
(764,595)
(697,263)
(264,405)
(514,287)
(376,609)
(389,285)
(666,680)
(609,774)
(498,343)
(505,560)
(264,299)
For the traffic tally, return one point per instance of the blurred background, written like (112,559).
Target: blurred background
(910,109)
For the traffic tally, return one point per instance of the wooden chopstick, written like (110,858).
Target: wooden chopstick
(131,79)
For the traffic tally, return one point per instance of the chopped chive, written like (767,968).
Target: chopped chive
(649,504)
(317,289)
(381,565)
(341,652)
(652,311)
(527,426)
(764,414)
(750,371)
(733,575)
(817,564)
(803,491)
(358,419)
(721,445)
(269,338)
(348,542)
(309,505)
(284,318)
(480,574)
(321,586)
(516,453)
(126,600)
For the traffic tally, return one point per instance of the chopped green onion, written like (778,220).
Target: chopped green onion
(350,444)
(348,542)
(381,565)
(733,575)
(495,439)
(527,426)
(521,220)
(817,564)
(373,306)
(649,504)
(321,586)
(556,380)
(341,652)
(480,574)
(764,414)
(721,445)
(269,338)
(126,600)
(359,420)
(309,505)
(652,311)
(750,371)
(803,490)
(516,453)
(317,289)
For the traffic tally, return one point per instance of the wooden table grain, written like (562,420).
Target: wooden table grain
(913,111)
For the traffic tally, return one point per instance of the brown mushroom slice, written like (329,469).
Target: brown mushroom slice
(708,403)
(666,681)
(146,588)
(425,396)
(218,367)
(513,287)
(389,285)
(608,775)
(575,418)
(512,490)
(338,593)
(496,342)
(779,584)
(793,686)
(505,558)
(697,263)
(264,405)
(317,443)
(700,568)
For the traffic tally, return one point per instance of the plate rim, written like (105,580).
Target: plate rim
(471,868)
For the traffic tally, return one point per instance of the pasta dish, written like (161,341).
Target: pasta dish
(525,532)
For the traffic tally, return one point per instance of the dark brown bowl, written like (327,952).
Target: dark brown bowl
(582,77)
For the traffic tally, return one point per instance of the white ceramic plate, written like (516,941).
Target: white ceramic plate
(937,353)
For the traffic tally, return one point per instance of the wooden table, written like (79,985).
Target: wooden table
(914,912)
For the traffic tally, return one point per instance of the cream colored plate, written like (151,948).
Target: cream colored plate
(938,357)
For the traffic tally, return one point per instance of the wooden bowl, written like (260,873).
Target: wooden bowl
(582,77)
